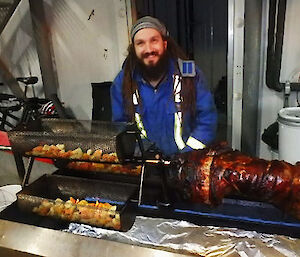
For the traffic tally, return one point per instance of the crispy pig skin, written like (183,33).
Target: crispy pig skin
(213,173)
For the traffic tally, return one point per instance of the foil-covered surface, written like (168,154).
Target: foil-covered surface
(184,237)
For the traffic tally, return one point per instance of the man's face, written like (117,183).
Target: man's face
(149,46)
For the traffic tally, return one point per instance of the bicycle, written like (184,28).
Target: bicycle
(23,112)
(31,108)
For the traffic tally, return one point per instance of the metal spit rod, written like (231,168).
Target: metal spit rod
(141,184)
(158,162)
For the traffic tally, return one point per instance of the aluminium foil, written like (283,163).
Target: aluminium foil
(187,238)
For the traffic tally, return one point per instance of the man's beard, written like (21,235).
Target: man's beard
(153,72)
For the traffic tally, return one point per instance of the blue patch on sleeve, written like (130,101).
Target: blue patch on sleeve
(184,67)
(190,67)
(187,68)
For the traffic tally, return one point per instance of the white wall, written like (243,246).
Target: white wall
(18,48)
(271,101)
(86,51)
(290,65)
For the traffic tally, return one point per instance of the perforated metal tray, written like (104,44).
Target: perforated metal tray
(110,137)
(50,187)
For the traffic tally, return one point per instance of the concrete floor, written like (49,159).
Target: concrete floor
(9,173)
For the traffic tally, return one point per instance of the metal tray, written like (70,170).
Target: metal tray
(51,187)
(110,137)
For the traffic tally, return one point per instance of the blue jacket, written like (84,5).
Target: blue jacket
(158,110)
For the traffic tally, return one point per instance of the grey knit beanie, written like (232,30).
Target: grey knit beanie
(148,22)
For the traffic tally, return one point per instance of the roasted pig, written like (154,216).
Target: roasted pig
(209,175)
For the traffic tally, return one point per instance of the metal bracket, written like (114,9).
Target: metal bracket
(24,174)
(287,92)
(28,172)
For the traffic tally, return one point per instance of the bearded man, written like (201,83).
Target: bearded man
(165,94)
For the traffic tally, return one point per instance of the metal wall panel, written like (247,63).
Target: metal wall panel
(253,18)
(235,71)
